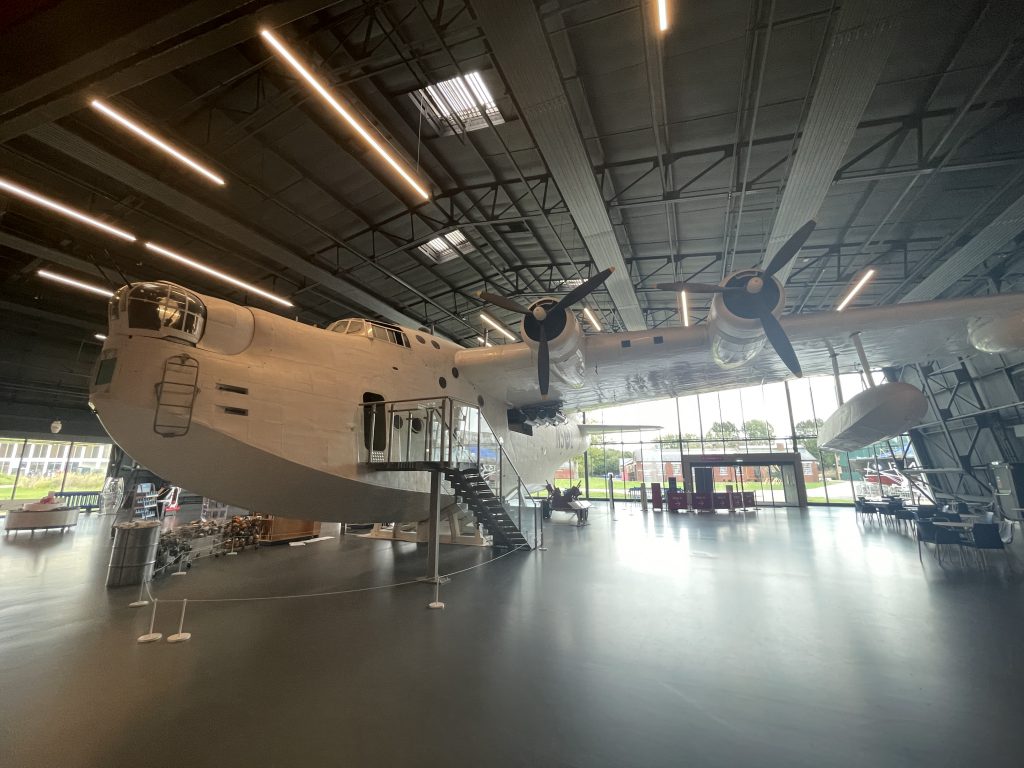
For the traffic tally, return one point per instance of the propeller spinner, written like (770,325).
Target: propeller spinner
(550,319)
(754,294)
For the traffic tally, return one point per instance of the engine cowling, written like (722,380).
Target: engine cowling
(997,335)
(736,333)
(565,347)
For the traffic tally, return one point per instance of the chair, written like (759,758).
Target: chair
(946,537)
(926,532)
(905,516)
(986,536)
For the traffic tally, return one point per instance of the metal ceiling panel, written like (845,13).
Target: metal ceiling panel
(856,56)
(521,49)
(74,146)
(1000,231)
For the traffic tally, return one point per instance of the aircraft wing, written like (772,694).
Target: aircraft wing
(646,365)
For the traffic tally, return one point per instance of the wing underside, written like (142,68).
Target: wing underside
(647,365)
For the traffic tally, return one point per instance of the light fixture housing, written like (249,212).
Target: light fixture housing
(100,336)
(189,262)
(662,15)
(684,309)
(592,318)
(72,282)
(497,326)
(64,210)
(347,116)
(146,135)
(858,285)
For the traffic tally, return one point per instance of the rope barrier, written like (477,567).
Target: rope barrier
(332,592)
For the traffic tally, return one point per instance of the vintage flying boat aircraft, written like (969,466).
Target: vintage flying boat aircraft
(257,410)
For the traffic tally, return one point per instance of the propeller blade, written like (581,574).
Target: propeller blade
(543,369)
(780,341)
(698,288)
(790,248)
(502,301)
(582,290)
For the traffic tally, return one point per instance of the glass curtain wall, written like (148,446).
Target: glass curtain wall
(781,417)
(30,469)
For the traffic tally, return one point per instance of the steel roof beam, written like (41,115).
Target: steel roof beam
(998,233)
(153,50)
(85,152)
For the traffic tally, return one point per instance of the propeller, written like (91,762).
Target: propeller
(549,320)
(754,295)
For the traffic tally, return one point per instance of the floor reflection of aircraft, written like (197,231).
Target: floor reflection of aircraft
(270,413)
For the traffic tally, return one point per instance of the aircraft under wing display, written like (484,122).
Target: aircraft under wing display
(619,368)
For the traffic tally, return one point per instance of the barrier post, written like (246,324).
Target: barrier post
(151,636)
(180,636)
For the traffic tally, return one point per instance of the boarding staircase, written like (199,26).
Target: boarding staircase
(452,438)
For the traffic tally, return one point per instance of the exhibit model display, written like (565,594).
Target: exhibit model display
(338,424)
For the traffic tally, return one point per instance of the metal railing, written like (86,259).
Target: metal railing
(448,432)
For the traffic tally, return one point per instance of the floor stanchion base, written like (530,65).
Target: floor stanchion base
(150,637)
(138,603)
(436,604)
(179,637)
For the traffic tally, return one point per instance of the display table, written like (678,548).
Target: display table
(24,520)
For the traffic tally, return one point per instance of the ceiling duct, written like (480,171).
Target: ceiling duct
(1000,231)
(521,49)
(856,55)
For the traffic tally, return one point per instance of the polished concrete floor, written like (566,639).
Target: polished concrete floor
(785,639)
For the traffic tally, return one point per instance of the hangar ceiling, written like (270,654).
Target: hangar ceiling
(674,156)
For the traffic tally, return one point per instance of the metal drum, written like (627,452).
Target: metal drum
(134,553)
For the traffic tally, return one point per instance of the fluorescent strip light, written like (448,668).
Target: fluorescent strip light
(74,283)
(496,325)
(856,289)
(138,130)
(686,309)
(662,15)
(593,320)
(345,114)
(484,342)
(53,205)
(100,336)
(215,273)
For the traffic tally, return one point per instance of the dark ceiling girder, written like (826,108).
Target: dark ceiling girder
(53,317)
(157,49)
(85,152)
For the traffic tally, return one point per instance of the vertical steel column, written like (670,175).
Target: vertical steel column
(21,462)
(67,465)
(792,424)
(434,538)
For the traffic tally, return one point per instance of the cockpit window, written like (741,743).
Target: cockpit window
(165,308)
(389,333)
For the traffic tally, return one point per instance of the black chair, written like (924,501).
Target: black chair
(926,532)
(926,511)
(905,516)
(986,537)
(945,537)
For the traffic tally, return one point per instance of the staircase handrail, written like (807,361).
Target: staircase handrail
(448,418)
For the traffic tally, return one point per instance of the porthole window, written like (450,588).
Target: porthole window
(398,421)
(421,340)
(416,425)
(443,382)
(455,373)
(434,344)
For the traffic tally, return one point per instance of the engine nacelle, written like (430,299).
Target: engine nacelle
(735,329)
(565,347)
(997,334)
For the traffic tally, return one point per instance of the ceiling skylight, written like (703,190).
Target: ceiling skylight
(447,247)
(458,105)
